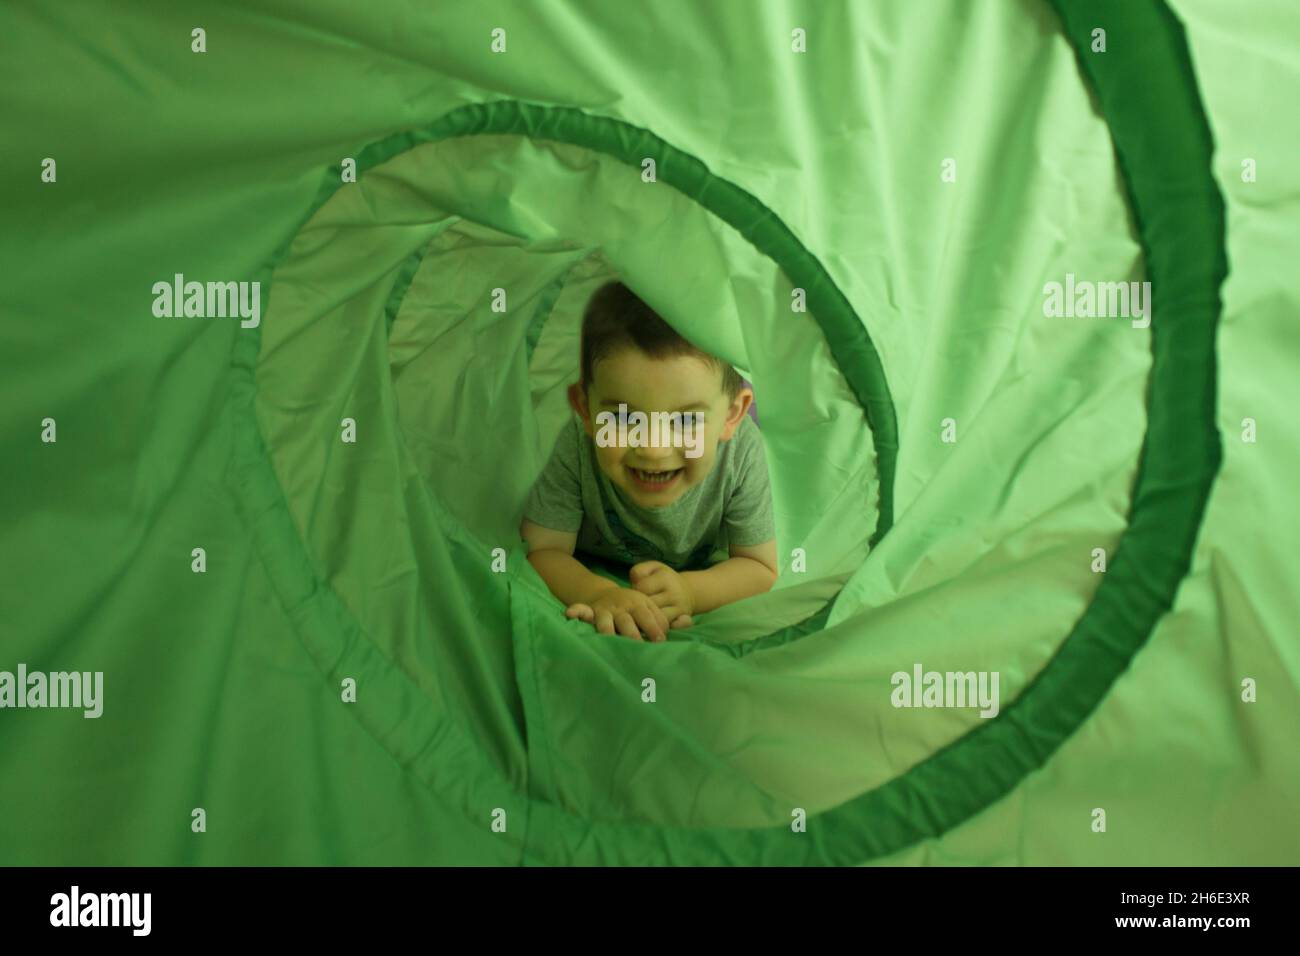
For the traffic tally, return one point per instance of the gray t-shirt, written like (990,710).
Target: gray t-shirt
(732,505)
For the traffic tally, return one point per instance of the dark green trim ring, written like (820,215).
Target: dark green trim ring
(847,336)
(1147,93)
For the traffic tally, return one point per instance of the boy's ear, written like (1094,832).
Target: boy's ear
(578,402)
(738,409)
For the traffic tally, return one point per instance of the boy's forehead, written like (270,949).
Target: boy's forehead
(635,378)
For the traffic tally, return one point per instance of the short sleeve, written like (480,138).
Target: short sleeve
(555,501)
(748,517)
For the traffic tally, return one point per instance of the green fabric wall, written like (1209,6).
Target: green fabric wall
(373,561)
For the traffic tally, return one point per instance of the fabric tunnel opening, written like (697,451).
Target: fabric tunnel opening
(380,315)
(479,666)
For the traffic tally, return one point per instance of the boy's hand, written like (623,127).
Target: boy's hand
(625,611)
(666,588)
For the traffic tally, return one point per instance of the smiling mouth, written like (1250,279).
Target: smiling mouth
(655,479)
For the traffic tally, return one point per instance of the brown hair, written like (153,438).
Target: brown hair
(616,317)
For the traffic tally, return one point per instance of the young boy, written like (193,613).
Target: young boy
(664,505)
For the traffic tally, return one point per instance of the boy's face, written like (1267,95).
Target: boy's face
(680,383)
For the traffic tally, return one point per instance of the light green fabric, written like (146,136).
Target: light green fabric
(377,560)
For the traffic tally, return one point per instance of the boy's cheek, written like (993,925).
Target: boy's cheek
(613,467)
(699,468)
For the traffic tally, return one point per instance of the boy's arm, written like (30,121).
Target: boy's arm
(750,570)
(551,553)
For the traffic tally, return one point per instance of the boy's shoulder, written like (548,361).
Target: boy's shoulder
(572,435)
(747,429)
(565,455)
(746,440)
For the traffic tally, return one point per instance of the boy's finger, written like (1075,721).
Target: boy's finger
(582,612)
(645,568)
(626,626)
(604,622)
(682,621)
(652,625)
(664,600)
(657,606)
(642,581)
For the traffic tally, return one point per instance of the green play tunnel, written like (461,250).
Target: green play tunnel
(369,671)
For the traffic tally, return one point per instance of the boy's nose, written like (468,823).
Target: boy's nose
(651,454)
